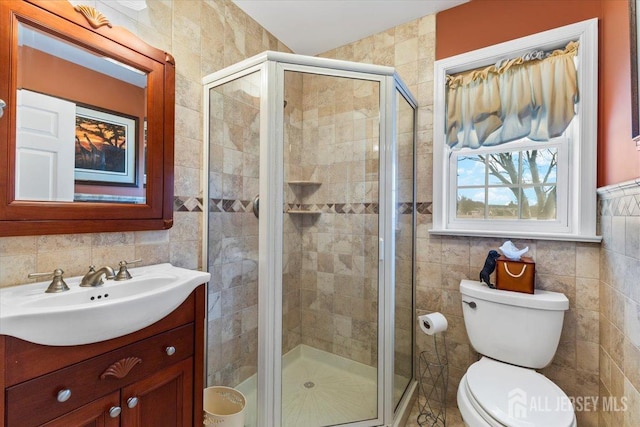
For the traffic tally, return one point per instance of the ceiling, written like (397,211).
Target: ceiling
(310,27)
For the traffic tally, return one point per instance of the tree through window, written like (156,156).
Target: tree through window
(508,184)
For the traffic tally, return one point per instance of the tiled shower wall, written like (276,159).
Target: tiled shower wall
(338,149)
(292,226)
(331,138)
(620,305)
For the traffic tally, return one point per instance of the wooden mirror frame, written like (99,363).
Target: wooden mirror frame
(88,28)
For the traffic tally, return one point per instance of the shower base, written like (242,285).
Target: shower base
(319,389)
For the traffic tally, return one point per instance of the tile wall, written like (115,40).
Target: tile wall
(334,143)
(620,305)
(292,239)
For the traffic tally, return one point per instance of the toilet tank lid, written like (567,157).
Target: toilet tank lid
(541,299)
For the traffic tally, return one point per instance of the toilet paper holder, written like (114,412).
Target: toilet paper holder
(433,380)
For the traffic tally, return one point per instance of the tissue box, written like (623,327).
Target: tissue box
(518,276)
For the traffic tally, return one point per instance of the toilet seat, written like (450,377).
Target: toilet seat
(509,395)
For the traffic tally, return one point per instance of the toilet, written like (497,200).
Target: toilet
(516,333)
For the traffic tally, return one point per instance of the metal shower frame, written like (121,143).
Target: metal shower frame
(272,66)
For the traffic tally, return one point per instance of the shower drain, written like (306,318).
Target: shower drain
(309,384)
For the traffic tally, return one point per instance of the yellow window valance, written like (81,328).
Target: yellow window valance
(533,96)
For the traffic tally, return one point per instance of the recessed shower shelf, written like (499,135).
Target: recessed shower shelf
(304,183)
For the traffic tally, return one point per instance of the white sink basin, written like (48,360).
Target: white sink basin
(88,315)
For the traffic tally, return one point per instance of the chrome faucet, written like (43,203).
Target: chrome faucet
(93,277)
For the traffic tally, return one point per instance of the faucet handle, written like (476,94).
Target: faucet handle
(57,284)
(123,273)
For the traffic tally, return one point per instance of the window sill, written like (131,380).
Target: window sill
(519,235)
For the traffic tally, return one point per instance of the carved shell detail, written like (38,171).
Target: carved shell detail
(121,368)
(95,18)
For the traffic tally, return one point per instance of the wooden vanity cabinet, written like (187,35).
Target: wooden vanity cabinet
(94,414)
(152,377)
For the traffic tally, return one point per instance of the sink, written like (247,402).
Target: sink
(87,315)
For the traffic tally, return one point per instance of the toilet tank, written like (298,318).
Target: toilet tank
(513,327)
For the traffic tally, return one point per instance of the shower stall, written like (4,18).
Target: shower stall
(310,214)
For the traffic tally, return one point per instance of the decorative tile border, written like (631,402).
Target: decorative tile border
(195,204)
(620,199)
(230,205)
(187,204)
(623,206)
(424,208)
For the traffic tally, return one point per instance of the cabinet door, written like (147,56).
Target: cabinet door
(165,399)
(95,414)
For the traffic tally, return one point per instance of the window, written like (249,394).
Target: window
(524,188)
(513,186)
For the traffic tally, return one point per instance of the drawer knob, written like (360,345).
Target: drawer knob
(132,402)
(171,350)
(114,412)
(64,395)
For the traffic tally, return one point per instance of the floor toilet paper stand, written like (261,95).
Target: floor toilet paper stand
(433,380)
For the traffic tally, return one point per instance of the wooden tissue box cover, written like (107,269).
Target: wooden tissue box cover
(518,276)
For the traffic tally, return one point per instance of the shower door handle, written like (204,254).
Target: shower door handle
(256,206)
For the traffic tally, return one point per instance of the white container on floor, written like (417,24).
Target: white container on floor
(223,407)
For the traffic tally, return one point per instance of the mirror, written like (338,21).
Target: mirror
(88,123)
(96,104)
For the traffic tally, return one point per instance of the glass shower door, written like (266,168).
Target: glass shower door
(234,153)
(404,238)
(310,305)
(330,250)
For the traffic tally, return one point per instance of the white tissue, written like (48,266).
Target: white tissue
(510,251)
(433,323)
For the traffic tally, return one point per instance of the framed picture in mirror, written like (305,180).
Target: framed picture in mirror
(105,147)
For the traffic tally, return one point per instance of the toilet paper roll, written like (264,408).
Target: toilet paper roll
(433,323)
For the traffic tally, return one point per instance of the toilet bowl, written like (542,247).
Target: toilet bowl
(493,393)
(516,333)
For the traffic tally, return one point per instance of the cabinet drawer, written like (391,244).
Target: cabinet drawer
(36,401)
